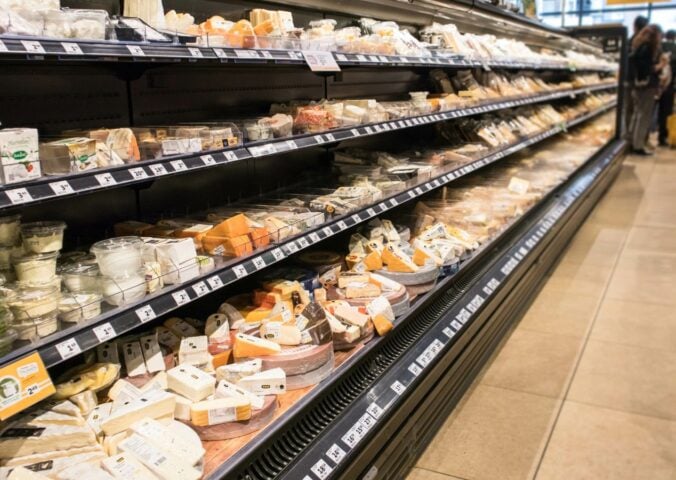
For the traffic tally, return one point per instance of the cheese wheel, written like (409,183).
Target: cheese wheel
(424,275)
(299,360)
(312,377)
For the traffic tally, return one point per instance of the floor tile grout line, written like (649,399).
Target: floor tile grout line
(564,397)
(449,475)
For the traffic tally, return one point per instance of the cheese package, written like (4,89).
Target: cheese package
(152,354)
(362,290)
(283,334)
(51,463)
(181,328)
(268,382)
(351,316)
(217,328)
(19,158)
(125,467)
(222,410)
(194,351)
(226,389)
(166,439)
(40,417)
(177,259)
(182,408)
(87,377)
(30,440)
(250,346)
(164,465)
(20,473)
(85,401)
(70,155)
(191,382)
(107,353)
(98,415)
(235,226)
(159,382)
(133,359)
(154,404)
(83,470)
(111,443)
(123,387)
(234,372)
(61,406)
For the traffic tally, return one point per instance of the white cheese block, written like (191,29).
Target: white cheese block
(123,387)
(40,418)
(28,440)
(159,382)
(153,404)
(225,389)
(167,440)
(269,382)
(57,454)
(111,443)
(152,354)
(98,415)
(217,327)
(336,325)
(21,473)
(84,471)
(352,333)
(125,467)
(177,259)
(133,359)
(61,406)
(194,351)
(191,382)
(50,465)
(235,371)
(85,401)
(182,408)
(165,466)
(108,353)
(125,396)
(281,333)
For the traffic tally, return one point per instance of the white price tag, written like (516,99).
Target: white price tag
(335,453)
(145,313)
(158,169)
(374,410)
(104,332)
(136,51)
(195,52)
(246,53)
(327,231)
(456,325)
(398,387)
(71,48)
(105,179)
(292,247)
(278,253)
(208,160)
(303,243)
(374,58)
(448,332)
(138,173)
(342,225)
(239,270)
(371,212)
(215,282)
(291,144)
(220,53)
(178,165)
(19,195)
(320,61)
(341,58)
(463,316)
(259,151)
(266,54)
(3,47)
(330,137)
(369,130)
(355,132)
(200,289)
(411,194)
(181,297)
(314,237)
(362,58)
(230,156)
(68,348)
(351,438)
(61,188)
(356,218)
(259,262)
(32,47)
(394,202)
(321,469)
(319,139)
(401,124)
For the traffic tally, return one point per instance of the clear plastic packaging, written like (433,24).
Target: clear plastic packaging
(10,230)
(78,307)
(37,327)
(42,237)
(27,303)
(119,256)
(124,289)
(7,339)
(35,268)
(81,278)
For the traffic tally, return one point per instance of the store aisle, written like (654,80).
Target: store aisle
(585,385)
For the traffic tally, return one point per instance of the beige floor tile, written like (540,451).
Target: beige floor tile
(630,286)
(631,379)
(423,474)
(534,362)
(652,239)
(647,266)
(591,254)
(591,443)
(636,324)
(579,279)
(658,209)
(559,314)
(498,434)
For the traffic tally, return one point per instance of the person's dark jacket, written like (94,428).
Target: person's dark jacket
(643,67)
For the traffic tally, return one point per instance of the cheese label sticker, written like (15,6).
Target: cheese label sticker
(23,383)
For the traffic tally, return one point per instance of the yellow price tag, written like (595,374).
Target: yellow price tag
(23,383)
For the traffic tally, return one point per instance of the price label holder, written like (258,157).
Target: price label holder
(320,61)
(24,383)
(18,196)
(136,51)
(32,46)
(71,48)
(61,188)
(104,332)
(179,166)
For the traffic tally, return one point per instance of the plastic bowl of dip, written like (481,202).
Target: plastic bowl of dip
(28,303)
(124,289)
(81,278)
(35,268)
(10,230)
(37,327)
(42,237)
(118,257)
(78,307)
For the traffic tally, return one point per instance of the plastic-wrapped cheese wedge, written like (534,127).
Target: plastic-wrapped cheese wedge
(30,440)
(249,346)
(84,470)
(225,389)
(164,465)
(21,473)
(158,434)
(235,371)
(154,404)
(268,382)
(191,382)
(125,467)
(222,410)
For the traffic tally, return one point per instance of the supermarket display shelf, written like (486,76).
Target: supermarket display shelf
(68,343)
(55,187)
(339,446)
(35,49)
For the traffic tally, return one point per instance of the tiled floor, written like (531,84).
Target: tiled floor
(585,385)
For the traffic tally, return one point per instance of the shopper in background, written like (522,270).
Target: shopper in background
(666,101)
(646,64)
(640,23)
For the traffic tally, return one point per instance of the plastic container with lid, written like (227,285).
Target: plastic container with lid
(34,328)
(78,307)
(124,289)
(6,341)
(35,268)
(120,256)
(10,230)
(6,254)
(88,24)
(5,319)
(81,278)
(26,303)
(42,237)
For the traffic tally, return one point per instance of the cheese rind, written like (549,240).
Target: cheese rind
(30,440)
(165,466)
(21,473)
(281,333)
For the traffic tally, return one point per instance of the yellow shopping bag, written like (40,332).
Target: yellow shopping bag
(671,128)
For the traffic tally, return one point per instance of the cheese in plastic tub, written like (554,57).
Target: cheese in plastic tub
(38,327)
(35,268)
(81,278)
(124,289)
(78,307)
(10,230)
(27,303)
(42,237)
(118,256)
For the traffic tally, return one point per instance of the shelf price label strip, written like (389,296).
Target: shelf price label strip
(62,348)
(337,442)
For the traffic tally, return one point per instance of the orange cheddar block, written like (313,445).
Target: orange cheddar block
(373,261)
(248,346)
(197,232)
(397,263)
(255,314)
(382,324)
(264,28)
(230,246)
(221,358)
(260,237)
(420,257)
(232,227)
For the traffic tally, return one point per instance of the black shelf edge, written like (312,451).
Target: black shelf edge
(50,49)
(68,343)
(50,188)
(342,441)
